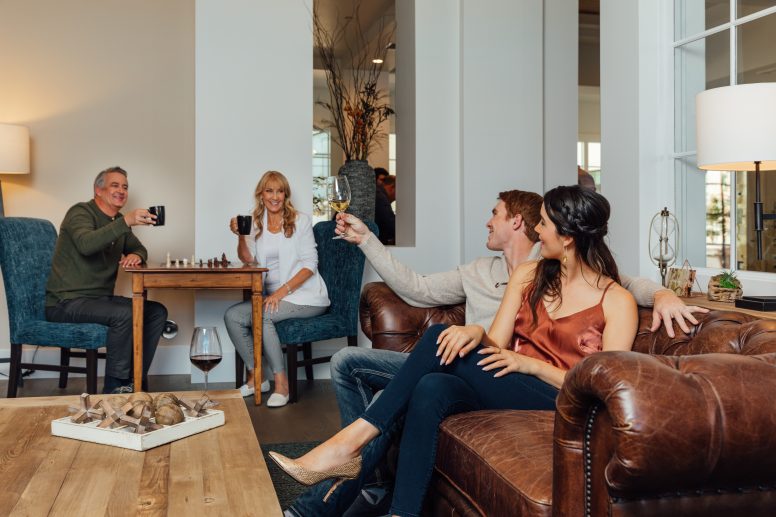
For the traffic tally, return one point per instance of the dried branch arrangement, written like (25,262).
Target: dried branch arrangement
(357,106)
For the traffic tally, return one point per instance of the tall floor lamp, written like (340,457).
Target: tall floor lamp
(736,131)
(14,153)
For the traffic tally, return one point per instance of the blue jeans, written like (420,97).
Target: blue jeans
(357,373)
(426,393)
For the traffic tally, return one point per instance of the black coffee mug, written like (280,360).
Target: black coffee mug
(244,223)
(158,211)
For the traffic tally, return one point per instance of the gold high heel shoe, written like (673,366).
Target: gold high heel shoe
(348,470)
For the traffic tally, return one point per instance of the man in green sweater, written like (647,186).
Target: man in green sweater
(94,240)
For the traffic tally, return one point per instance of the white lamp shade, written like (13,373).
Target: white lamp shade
(736,126)
(14,149)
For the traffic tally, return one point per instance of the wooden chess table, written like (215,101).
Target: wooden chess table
(245,277)
(217,472)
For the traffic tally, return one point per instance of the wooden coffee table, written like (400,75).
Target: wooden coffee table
(218,472)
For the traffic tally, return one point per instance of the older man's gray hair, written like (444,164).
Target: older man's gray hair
(99,181)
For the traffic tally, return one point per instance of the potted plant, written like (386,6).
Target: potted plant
(724,287)
(357,105)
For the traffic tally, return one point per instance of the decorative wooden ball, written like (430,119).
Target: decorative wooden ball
(169,414)
(141,396)
(164,399)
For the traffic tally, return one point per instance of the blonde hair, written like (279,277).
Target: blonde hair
(289,212)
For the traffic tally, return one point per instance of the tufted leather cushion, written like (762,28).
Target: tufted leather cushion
(391,324)
(501,460)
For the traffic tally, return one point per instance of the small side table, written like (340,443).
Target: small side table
(701,300)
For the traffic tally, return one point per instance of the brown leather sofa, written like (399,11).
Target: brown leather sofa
(680,426)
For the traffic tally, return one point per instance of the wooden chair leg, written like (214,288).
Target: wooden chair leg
(91,371)
(352,340)
(292,367)
(14,370)
(307,354)
(64,360)
(239,371)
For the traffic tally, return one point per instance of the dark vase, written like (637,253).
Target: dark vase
(361,178)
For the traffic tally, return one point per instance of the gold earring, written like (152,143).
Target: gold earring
(565,257)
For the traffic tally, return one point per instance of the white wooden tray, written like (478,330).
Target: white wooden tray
(123,437)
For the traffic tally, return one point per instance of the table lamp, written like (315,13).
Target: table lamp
(736,131)
(14,153)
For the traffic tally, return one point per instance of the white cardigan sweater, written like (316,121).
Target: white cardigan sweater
(296,252)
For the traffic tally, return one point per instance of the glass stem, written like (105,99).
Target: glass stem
(206,381)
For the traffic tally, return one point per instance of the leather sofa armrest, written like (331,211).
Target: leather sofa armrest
(635,425)
(392,324)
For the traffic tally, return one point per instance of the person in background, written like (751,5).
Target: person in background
(385,219)
(95,238)
(380,175)
(281,240)
(555,312)
(585,179)
(359,373)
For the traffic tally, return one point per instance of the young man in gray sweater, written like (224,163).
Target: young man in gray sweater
(359,373)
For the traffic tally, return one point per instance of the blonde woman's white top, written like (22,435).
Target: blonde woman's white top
(294,253)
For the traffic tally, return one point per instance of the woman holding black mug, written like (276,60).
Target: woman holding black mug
(281,239)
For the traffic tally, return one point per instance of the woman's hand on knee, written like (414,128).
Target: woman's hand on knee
(456,341)
(505,361)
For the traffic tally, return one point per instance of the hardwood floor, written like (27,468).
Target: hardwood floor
(314,417)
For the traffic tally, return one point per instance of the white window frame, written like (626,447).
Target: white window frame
(732,24)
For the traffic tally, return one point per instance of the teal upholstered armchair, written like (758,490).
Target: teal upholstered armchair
(26,249)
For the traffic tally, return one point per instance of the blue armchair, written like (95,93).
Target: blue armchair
(26,249)
(341,265)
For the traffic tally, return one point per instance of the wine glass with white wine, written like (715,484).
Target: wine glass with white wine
(338,194)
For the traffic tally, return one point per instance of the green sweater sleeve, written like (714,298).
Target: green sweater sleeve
(133,245)
(89,240)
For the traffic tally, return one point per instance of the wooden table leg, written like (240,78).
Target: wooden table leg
(137,328)
(256,302)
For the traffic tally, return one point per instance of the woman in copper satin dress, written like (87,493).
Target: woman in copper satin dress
(555,312)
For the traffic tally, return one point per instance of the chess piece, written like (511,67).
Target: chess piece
(185,262)
(176,263)
(193,261)
(209,262)
(168,259)
(224,262)
(200,262)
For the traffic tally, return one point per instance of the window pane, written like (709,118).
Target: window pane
(746,244)
(757,51)
(695,16)
(747,7)
(698,66)
(718,232)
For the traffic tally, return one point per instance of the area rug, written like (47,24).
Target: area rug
(286,488)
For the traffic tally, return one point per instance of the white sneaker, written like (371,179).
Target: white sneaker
(265,386)
(247,391)
(277,400)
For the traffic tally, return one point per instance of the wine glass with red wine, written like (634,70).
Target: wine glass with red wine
(205,352)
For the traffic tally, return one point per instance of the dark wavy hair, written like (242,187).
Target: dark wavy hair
(582,214)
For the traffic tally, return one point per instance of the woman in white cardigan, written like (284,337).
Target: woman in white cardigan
(281,240)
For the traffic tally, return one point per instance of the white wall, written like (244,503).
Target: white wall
(501,108)
(253,113)
(620,128)
(102,84)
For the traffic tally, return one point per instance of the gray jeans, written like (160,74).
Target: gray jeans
(239,325)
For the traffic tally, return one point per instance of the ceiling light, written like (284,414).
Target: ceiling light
(377,61)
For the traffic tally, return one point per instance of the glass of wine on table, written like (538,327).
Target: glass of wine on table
(205,352)
(338,194)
